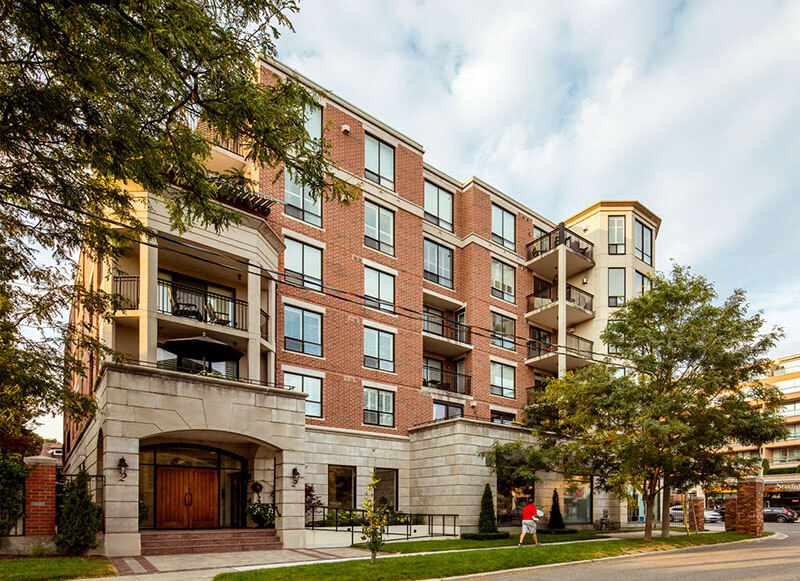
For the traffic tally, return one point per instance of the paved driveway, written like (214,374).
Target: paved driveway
(769,560)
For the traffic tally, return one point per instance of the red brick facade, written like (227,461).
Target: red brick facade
(745,513)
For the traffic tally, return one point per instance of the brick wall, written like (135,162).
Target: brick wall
(732,515)
(745,513)
(40,497)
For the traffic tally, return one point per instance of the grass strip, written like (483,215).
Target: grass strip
(405,547)
(471,562)
(46,568)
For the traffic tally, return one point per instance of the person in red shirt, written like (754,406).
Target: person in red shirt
(530,514)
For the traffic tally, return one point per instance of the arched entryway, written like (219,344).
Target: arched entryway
(188,486)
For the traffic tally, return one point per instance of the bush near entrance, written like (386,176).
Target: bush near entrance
(487,522)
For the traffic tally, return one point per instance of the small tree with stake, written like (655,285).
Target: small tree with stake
(374,520)
(556,519)
(79,520)
(487,522)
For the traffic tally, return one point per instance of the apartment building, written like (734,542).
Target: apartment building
(400,333)
(782,484)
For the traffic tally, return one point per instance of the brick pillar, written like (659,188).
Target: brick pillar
(751,506)
(731,515)
(40,496)
(698,504)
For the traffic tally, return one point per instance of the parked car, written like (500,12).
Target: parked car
(779,514)
(676,515)
(712,516)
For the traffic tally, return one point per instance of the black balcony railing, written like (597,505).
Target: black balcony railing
(127,287)
(579,347)
(539,348)
(446,380)
(561,235)
(201,305)
(580,298)
(264,327)
(446,328)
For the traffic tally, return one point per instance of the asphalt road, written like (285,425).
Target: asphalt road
(768,560)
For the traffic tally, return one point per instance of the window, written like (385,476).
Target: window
(443,410)
(378,407)
(616,234)
(342,486)
(168,360)
(503,227)
(302,331)
(300,203)
(438,206)
(378,349)
(378,228)
(577,499)
(643,248)
(314,122)
(379,162)
(503,281)
(303,264)
(502,417)
(310,385)
(616,287)
(432,320)
(540,343)
(502,379)
(643,284)
(503,332)
(378,289)
(438,264)
(386,489)
(431,371)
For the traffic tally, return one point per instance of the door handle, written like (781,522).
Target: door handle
(191,499)
(185,501)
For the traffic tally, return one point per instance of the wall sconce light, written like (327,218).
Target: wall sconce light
(122,465)
(295,476)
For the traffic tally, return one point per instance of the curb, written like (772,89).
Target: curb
(776,536)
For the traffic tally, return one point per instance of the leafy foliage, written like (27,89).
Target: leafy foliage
(670,418)
(79,519)
(12,493)
(375,519)
(487,520)
(515,465)
(99,101)
(556,518)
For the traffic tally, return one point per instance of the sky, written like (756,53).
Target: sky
(691,108)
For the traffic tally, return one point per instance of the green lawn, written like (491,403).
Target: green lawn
(47,568)
(455,544)
(470,562)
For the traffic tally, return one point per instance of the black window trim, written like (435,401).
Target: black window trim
(376,302)
(499,293)
(614,248)
(300,213)
(499,414)
(639,252)
(372,243)
(500,387)
(500,238)
(499,338)
(617,300)
(303,341)
(434,218)
(447,407)
(303,382)
(378,359)
(378,411)
(369,173)
(435,277)
(301,279)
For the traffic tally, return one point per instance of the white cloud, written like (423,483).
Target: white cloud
(694,109)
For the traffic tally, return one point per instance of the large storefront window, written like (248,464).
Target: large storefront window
(386,490)
(511,499)
(341,486)
(578,499)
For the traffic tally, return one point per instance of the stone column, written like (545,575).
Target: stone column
(254,326)
(731,515)
(40,496)
(121,503)
(562,304)
(290,498)
(148,303)
(751,506)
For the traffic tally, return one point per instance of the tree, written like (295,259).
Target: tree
(515,465)
(12,492)
(669,419)
(375,520)
(97,96)
(79,519)
(556,519)
(487,521)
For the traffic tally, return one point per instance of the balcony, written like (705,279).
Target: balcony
(544,356)
(227,153)
(542,253)
(201,305)
(127,287)
(446,380)
(542,309)
(444,336)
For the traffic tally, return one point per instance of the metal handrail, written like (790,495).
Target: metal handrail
(446,328)
(127,287)
(579,346)
(580,298)
(574,295)
(204,306)
(560,235)
(446,380)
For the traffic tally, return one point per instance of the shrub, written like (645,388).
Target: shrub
(79,521)
(556,519)
(12,493)
(38,551)
(487,522)
(484,536)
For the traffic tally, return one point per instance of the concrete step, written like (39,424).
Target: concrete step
(170,542)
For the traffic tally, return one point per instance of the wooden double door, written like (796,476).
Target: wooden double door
(187,498)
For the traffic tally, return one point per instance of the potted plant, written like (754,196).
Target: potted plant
(261,513)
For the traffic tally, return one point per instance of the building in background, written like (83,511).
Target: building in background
(400,333)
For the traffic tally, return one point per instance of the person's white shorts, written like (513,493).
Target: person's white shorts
(529,526)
